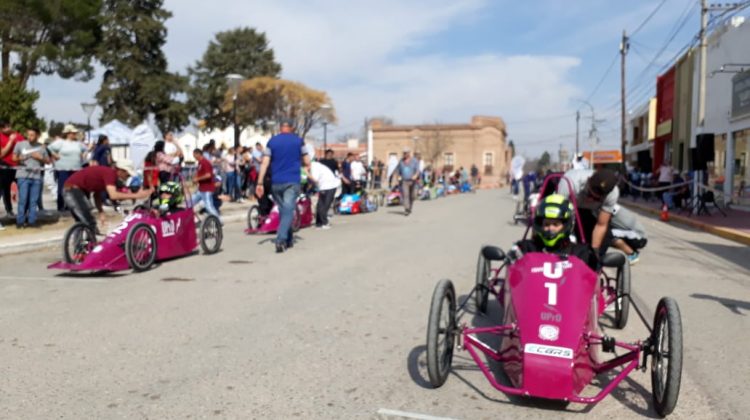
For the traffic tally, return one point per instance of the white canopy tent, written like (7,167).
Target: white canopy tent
(117,132)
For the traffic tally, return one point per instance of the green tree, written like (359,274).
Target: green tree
(136,81)
(17,105)
(48,37)
(544,161)
(268,98)
(242,51)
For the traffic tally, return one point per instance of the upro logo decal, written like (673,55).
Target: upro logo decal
(551,272)
(550,351)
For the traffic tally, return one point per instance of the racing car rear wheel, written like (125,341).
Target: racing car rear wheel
(482,283)
(622,301)
(666,363)
(441,330)
(253,218)
(79,240)
(212,235)
(140,247)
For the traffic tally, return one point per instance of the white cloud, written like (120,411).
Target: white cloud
(365,55)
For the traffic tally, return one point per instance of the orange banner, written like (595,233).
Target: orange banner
(604,156)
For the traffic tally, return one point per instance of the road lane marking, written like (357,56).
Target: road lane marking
(408,415)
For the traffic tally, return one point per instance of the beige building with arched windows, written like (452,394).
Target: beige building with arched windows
(482,142)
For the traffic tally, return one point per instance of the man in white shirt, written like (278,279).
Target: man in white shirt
(359,173)
(327,183)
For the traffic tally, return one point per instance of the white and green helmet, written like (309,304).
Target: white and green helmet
(557,207)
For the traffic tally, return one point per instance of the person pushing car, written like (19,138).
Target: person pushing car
(95,180)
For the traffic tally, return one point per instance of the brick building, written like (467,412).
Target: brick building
(481,142)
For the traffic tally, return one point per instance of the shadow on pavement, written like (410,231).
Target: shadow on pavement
(739,255)
(731,304)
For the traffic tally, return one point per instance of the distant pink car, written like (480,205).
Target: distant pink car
(142,238)
(551,345)
(258,224)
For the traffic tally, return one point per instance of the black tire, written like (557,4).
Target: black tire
(212,234)
(666,357)
(481,294)
(441,324)
(78,242)
(622,300)
(253,217)
(140,247)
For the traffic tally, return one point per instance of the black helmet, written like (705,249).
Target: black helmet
(558,207)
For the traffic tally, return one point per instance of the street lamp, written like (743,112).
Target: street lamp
(234,81)
(89,109)
(325,108)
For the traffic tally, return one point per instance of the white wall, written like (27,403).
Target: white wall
(727,45)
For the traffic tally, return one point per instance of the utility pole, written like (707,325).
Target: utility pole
(698,175)
(578,120)
(624,46)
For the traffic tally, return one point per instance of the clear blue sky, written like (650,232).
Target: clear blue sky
(423,61)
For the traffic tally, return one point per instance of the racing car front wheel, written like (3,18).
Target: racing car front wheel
(212,235)
(482,283)
(140,247)
(622,301)
(441,330)
(79,240)
(253,218)
(666,363)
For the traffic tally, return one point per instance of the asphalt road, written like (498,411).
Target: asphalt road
(335,328)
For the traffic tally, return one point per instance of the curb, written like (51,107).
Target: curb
(18,248)
(726,233)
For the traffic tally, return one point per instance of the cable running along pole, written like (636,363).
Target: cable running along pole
(624,46)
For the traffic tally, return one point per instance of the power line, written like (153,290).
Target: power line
(606,73)
(648,18)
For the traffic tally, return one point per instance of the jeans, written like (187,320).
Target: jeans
(208,198)
(29,190)
(62,176)
(407,194)
(80,207)
(231,185)
(285,196)
(7,176)
(325,198)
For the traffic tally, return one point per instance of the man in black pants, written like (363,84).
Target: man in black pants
(8,140)
(327,184)
(94,180)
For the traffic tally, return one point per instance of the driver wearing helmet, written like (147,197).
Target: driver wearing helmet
(552,229)
(170,197)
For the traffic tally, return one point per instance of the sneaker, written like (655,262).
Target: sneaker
(634,258)
(2,227)
(280,248)
(290,245)
(326,227)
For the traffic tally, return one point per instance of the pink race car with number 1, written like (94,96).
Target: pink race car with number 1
(551,345)
(143,238)
(258,224)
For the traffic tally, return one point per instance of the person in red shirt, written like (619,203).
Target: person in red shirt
(8,141)
(94,180)
(204,179)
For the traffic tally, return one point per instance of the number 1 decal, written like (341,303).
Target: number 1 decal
(551,293)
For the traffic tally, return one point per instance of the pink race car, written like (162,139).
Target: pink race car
(259,224)
(141,239)
(551,345)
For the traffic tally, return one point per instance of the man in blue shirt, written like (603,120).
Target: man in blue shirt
(408,170)
(286,154)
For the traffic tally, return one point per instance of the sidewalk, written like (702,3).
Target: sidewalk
(735,227)
(14,241)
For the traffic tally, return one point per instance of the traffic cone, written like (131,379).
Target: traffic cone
(664,213)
